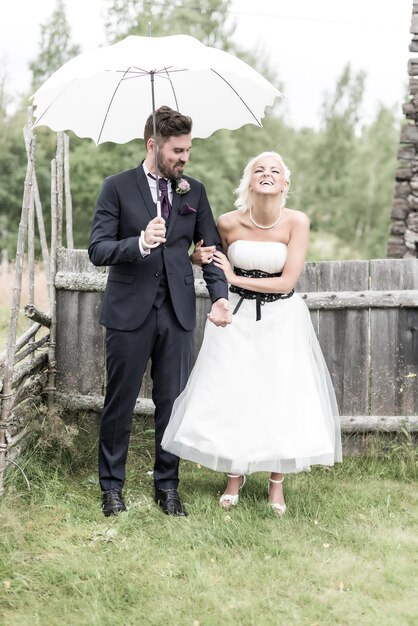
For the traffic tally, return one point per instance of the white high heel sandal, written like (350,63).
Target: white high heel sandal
(227,499)
(280,509)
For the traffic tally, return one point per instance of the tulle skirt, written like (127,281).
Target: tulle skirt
(260,397)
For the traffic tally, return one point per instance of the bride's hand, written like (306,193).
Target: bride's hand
(221,261)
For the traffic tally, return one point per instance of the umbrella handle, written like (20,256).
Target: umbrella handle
(147,245)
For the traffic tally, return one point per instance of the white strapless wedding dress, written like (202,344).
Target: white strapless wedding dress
(260,397)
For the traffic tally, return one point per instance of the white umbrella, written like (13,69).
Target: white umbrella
(106,94)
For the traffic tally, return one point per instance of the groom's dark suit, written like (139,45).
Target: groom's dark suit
(148,309)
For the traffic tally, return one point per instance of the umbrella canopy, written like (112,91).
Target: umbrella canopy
(108,93)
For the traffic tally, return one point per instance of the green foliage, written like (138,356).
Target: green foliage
(336,148)
(55,46)
(371,175)
(205,19)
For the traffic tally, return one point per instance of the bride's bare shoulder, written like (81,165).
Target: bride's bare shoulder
(228,220)
(297,218)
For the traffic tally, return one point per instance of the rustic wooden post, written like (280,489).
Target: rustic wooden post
(39,213)
(59,159)
(68,199)
(7,393)
(80,339)
(31,256)
(41,229)
(343,335)
(50,387)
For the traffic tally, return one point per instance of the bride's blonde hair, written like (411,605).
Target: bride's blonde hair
(243,193)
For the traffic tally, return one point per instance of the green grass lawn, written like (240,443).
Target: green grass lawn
(344,553)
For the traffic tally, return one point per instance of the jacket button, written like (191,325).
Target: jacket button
(157,274)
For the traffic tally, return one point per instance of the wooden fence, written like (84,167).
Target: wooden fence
(365,314)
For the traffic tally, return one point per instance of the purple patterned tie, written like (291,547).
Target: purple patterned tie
(165,202)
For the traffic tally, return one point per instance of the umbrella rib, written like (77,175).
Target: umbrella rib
(237,94)
(53,102)
(138,71)
(109,105)
(172,87)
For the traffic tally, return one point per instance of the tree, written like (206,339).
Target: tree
(55,46)
(372,176)
(204,19)
(340,120)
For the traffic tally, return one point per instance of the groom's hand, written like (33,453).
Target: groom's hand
(154,232)
(202,255)
(220,315)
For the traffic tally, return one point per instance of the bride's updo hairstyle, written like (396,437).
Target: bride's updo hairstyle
(243,192)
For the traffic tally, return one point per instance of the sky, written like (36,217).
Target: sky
(308,42)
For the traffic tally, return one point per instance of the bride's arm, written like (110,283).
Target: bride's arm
(296,253)
(224,225)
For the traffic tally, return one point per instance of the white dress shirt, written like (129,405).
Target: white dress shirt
(152,182)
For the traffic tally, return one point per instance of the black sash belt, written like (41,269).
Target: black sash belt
(259,297)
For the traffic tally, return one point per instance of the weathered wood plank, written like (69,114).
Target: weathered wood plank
(394,342)
(80,338)
(70,281)
(76,260)
(349,423)
(392,299)
(308,279)
(308,283)
(80,342)
(77,402)
(381,423)
(81,281)
(343,335)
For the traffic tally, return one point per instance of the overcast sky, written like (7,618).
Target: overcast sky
(308,41)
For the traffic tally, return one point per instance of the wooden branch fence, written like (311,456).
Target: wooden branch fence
(365,314)
(27,365)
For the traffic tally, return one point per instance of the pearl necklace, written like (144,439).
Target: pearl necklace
(265,227)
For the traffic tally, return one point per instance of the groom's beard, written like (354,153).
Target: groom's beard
(171,172)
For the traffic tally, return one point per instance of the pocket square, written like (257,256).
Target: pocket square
(186,209)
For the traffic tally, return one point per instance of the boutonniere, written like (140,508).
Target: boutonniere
(182,186)
(186,209)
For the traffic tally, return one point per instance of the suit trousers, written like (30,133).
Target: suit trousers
(169,346)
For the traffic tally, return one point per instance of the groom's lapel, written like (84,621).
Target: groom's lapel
(145,191)
(175,207)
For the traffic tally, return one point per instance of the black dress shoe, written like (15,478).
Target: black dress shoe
(169,501)
(112,502)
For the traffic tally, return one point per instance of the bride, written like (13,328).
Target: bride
(260,397)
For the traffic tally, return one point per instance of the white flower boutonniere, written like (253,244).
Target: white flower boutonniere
(182,186)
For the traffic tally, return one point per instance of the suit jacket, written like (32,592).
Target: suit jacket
(124,208)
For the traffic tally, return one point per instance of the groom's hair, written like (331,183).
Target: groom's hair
(169,123)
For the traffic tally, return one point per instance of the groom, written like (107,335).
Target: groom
(149,308)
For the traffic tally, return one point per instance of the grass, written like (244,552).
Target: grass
(345,553)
